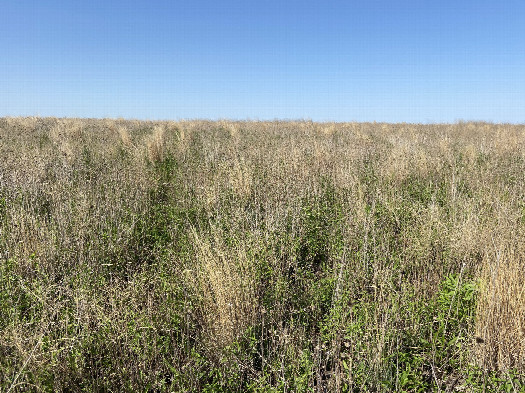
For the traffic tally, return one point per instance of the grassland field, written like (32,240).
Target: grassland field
(285,256)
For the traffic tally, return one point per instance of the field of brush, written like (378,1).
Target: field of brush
(261,256)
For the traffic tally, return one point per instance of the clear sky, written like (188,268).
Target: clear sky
(395,61)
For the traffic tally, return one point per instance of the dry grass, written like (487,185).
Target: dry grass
(500,325)
(226,280)
(155,144)
(262,256)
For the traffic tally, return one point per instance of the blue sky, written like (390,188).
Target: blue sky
(395,61)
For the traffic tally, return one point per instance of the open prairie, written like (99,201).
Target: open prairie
(261,256)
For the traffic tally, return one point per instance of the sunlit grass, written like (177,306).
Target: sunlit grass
(261,256)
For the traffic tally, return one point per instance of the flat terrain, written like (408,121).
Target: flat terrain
(261,256)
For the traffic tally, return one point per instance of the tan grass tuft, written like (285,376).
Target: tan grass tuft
(327,129)
(61,139)
(500,325)
(124,136)
(234,131)
(156,144)
(241,178)
(226,279)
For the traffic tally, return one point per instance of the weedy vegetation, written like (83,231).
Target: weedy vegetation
(200,256)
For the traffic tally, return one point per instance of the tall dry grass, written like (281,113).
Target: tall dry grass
(260,256)
(500,325)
